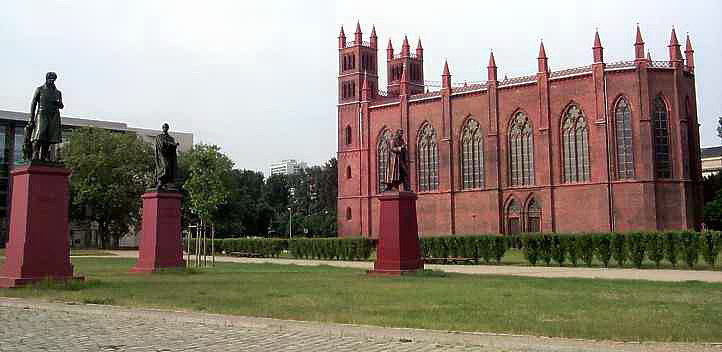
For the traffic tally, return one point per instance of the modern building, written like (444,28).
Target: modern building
(605,146)
(12,137)
(286,167)
(711,160)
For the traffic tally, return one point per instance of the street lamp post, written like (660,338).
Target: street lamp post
(289,223)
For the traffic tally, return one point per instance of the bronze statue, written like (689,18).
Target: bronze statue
(397,169)
(166,160)
(44,129)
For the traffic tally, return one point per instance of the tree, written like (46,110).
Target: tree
(719,127)
(207,181)
(110,171)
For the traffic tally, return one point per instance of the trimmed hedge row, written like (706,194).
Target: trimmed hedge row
(548,249)
(332,248)
(318,248)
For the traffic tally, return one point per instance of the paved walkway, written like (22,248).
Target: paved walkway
(29,325)
(565,272)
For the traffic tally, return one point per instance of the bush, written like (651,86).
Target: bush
(483,247)
(570,244)
(671,247)
(655,248)
(603,251)
(636,246)
(585,248)
(690,248)
(531,249)
(499,248)
(545,248)
(559,249)
(619,249)
(710,243)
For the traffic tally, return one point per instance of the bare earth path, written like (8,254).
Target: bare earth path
(565,272)
(28,325)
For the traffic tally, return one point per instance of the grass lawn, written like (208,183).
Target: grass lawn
(77,252)
(582,308)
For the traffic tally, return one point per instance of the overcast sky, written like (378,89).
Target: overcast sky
(258,78)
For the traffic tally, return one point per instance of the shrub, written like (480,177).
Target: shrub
(585,248)
(483,247)
(499,248)
(570,245)
(545,248)
(603,244)
(619,249)
(559,249)
(671,247)
(690,248)
(710,243)
(655,248)
(531,248)
(636,246)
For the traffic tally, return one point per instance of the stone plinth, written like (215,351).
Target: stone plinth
(398,250)
(160,243)
(39,239)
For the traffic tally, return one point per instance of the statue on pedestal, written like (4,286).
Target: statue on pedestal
(44,128)
(397,169)
(166,160)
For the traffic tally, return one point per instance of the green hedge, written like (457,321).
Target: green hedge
(542,249)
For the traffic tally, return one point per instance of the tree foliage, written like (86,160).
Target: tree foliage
(110,171)
(209,180)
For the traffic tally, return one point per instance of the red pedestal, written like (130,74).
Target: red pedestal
(160,244)
(38,245)
(398,251)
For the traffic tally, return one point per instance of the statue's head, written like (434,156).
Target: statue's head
(50,78)
(165,128)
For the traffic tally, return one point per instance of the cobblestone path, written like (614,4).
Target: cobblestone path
(27,325)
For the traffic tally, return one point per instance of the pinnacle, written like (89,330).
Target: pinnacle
(390,47)
(446,69)
(358,27)
(639,37)
(342,34)
(688,46)
(597,41)
(542,52)
(406,41)
(373,31)
(418,46)
(673,40)
(492,62)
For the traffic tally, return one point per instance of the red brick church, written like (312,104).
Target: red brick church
(605,146)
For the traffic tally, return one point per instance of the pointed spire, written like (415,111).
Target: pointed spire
(419,50)
(373,38)
(390,51)
(598,49)
(446,77)
(543,60)
(342,39)
(404,82)
(689,54)
(639,46)
(358,36)
(365,91)
(675,55)
(491,74)
(405,48)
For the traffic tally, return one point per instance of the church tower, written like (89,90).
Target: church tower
(357,86)
(414,64)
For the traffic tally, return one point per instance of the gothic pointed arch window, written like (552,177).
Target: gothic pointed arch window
(521,151)
(427,159)
(623,130)
(348,172)
(575,141)
(686,138)
(533,216)
(662,158)
(382,158)
(513,217)
(472,156)
(348,213)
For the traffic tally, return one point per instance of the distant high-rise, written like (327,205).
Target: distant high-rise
(286,167)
